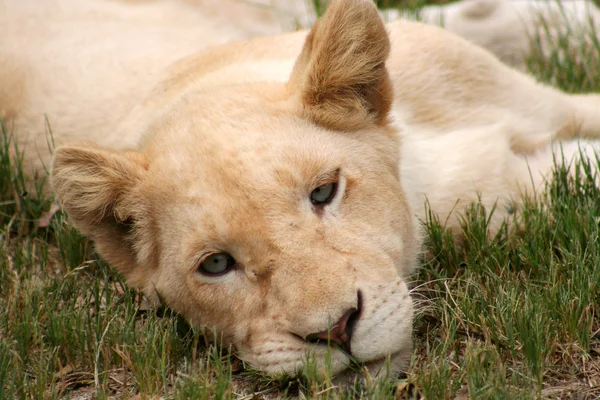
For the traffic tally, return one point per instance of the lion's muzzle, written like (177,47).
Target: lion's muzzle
(341,332)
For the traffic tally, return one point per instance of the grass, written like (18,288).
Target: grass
(517,317)
(514,316)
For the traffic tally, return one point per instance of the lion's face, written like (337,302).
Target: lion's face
(262,215)
(271,229)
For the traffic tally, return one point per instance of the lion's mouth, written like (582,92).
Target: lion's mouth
(340,334)
(378,361)
(375,365)
(390,366)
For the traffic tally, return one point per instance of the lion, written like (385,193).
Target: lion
(271,190)
(514,30)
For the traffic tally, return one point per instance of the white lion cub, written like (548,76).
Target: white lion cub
(270,190)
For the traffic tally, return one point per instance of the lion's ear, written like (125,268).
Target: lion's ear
(340,75)
(97,189)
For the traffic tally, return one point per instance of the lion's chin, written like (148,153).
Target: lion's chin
(388,367)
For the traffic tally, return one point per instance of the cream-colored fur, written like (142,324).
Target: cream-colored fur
(125,43)
(509,28)
(219,152)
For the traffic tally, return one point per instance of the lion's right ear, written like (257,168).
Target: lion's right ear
(97,189)
(340,76)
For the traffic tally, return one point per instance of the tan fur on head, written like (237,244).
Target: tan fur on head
(341,72)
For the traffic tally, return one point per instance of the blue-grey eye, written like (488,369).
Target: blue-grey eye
(323,194)
(216,264)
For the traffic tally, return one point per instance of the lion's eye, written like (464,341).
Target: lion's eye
(323,194)
(216,264)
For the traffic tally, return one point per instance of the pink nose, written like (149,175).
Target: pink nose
(341,332)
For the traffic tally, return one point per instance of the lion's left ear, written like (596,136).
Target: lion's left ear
(97,187)
(340,75)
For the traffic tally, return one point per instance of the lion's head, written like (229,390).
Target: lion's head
(270,213)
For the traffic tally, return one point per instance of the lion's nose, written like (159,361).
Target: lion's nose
(341,332)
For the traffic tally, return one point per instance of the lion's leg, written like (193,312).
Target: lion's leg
(535,174)
(443,83)
(577,116)
(587,115)
(526,176)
